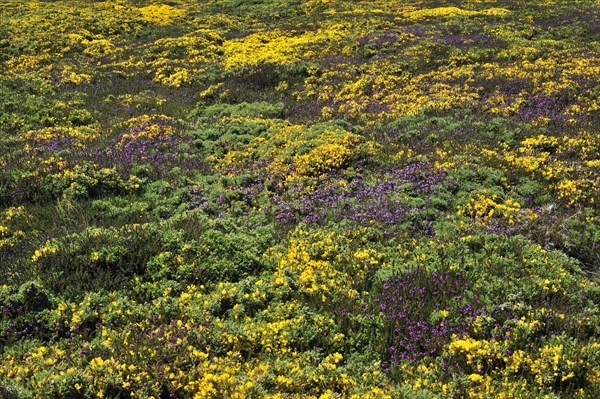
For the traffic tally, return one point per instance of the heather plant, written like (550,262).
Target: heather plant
(405,198)
(156,142)
(23,313)
(421,311)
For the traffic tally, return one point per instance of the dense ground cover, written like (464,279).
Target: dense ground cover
(285,198)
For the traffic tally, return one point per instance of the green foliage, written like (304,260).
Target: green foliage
(232,255)
(261,109)
(30,102)
(99,258)
(25,313)
(13,391)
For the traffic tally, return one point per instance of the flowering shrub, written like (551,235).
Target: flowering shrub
(422,311)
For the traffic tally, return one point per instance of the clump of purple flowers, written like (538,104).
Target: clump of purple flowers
(398,195)
(154,141)
(421,311)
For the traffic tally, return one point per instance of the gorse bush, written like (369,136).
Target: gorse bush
(299,199)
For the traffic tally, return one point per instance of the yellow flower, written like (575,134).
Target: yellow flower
(161,14)
(96,362)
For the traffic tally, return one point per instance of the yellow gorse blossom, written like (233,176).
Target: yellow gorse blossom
(452,12)
(161,14)
(48,249)
(277,46)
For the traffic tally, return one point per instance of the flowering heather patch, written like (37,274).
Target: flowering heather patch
(402,194)
(299,199)
(58,139)
(422,311)
(153,141)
